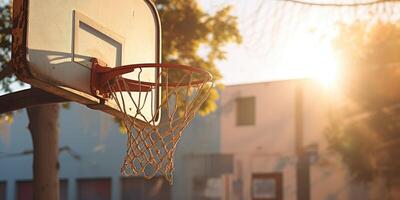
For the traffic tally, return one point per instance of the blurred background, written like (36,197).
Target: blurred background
(306,107)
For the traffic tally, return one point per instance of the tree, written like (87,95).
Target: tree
(186,29)
(365,132)
(5,44)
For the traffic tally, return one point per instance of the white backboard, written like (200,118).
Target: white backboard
(63,35)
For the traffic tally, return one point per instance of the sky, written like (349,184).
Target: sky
(284,40)
(255,60)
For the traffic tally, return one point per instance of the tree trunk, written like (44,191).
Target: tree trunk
(43,125)
(394,190)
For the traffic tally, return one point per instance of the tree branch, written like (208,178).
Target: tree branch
(7,71)
(27,98)
(339,4)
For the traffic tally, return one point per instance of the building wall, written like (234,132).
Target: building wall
(268,146)
(95,137)
(90,134)
(200,138)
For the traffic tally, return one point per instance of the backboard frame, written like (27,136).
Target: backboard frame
(23,71)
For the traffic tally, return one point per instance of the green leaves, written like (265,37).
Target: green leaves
(5,45)
(189,32)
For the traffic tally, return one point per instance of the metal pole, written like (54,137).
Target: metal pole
(302,167)
(27,98)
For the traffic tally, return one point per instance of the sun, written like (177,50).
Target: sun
(317,62)
(325,69)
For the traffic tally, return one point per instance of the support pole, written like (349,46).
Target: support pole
(27,98)
(303,166)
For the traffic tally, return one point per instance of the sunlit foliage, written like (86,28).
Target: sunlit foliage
(366,131)
(194,37)
(5,44)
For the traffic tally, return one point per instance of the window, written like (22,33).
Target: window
(97,188)
(245,111)
(2,190)
(266,186)
(207,188)
(142,189)
(25,190)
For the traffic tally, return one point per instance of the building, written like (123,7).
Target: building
(248,149)
(266,127)
(91,153)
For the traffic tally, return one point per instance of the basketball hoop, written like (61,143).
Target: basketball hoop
(152,140)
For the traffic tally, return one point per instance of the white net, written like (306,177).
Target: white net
(152,140)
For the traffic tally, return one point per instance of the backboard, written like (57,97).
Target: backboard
(55,40)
